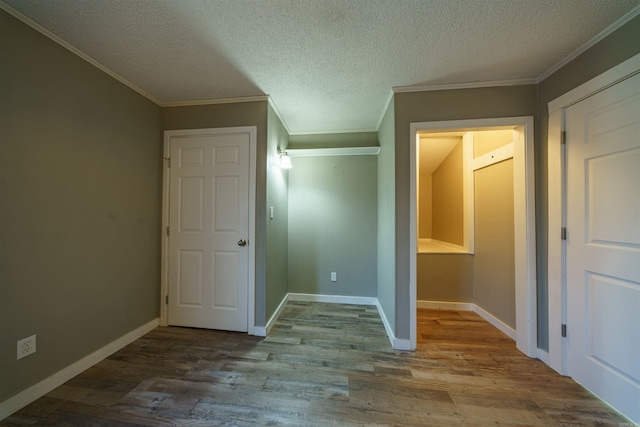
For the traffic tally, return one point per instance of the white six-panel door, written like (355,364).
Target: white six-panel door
(208,250)
(603,244)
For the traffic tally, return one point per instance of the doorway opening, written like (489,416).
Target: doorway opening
(521,151)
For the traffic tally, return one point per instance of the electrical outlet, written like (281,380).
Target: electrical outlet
(334,276)
(26,346)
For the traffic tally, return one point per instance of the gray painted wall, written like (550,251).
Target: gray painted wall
(80,184)
(386,244)
(277,227)
(445,277)
(231,115)
(333,225)
(494,287)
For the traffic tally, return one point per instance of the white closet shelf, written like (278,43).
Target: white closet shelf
(338,151)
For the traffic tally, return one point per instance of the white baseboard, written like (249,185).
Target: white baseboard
(543,356)
(445,305)
(338,299)
(469,306)
(38,390)
(503,327)
(396,343)
(385,322)
(263,331)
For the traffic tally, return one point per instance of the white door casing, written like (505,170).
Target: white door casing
(524,223)
(209,192)
(603,244)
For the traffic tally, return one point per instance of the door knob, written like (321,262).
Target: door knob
(242,242)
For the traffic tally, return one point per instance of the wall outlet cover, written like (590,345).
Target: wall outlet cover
(26,346)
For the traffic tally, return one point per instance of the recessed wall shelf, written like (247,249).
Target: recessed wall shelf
(337,151)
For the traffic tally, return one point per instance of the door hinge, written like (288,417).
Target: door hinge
(563,139)
(168,231)
(563,233)
(563,330)
(166,299)
(168,159)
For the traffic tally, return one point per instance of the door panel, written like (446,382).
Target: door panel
(190,278)
(225,266)
(191,204)
(208,216)
(603,244)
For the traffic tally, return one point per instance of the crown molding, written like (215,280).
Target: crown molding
(213,101)
(469,85)
(604,33)
(384,109)
(42,30)
(275,109)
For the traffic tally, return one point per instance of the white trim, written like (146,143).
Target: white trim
(384,109)
(604,33)
(337,299)
(468,194)
(402,344)
(329,132)
(385,322)
(557,297)
(503,153)
(414,160)
(468,85)
(337,151)
(42,30)
(396,344)
(555,245)
(610,77)
(253,164)
(277,111)
(164,261)
(524,222)
(543,356)
(164,242)
(445,305)
(38,390)
(263,331)
(499,324)
(214,101)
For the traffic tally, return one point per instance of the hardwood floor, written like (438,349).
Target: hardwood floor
(322,364)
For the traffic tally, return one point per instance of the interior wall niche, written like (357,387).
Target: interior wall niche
(446,186)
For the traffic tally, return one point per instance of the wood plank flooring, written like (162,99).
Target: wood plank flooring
(322,364)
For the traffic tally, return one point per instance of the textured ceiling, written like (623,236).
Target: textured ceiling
(328,65)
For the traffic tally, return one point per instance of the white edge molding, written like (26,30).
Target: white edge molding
(338,151)
(38,390)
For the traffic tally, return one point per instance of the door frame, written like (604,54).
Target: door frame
(524,224)
(556,158)
(164,261)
